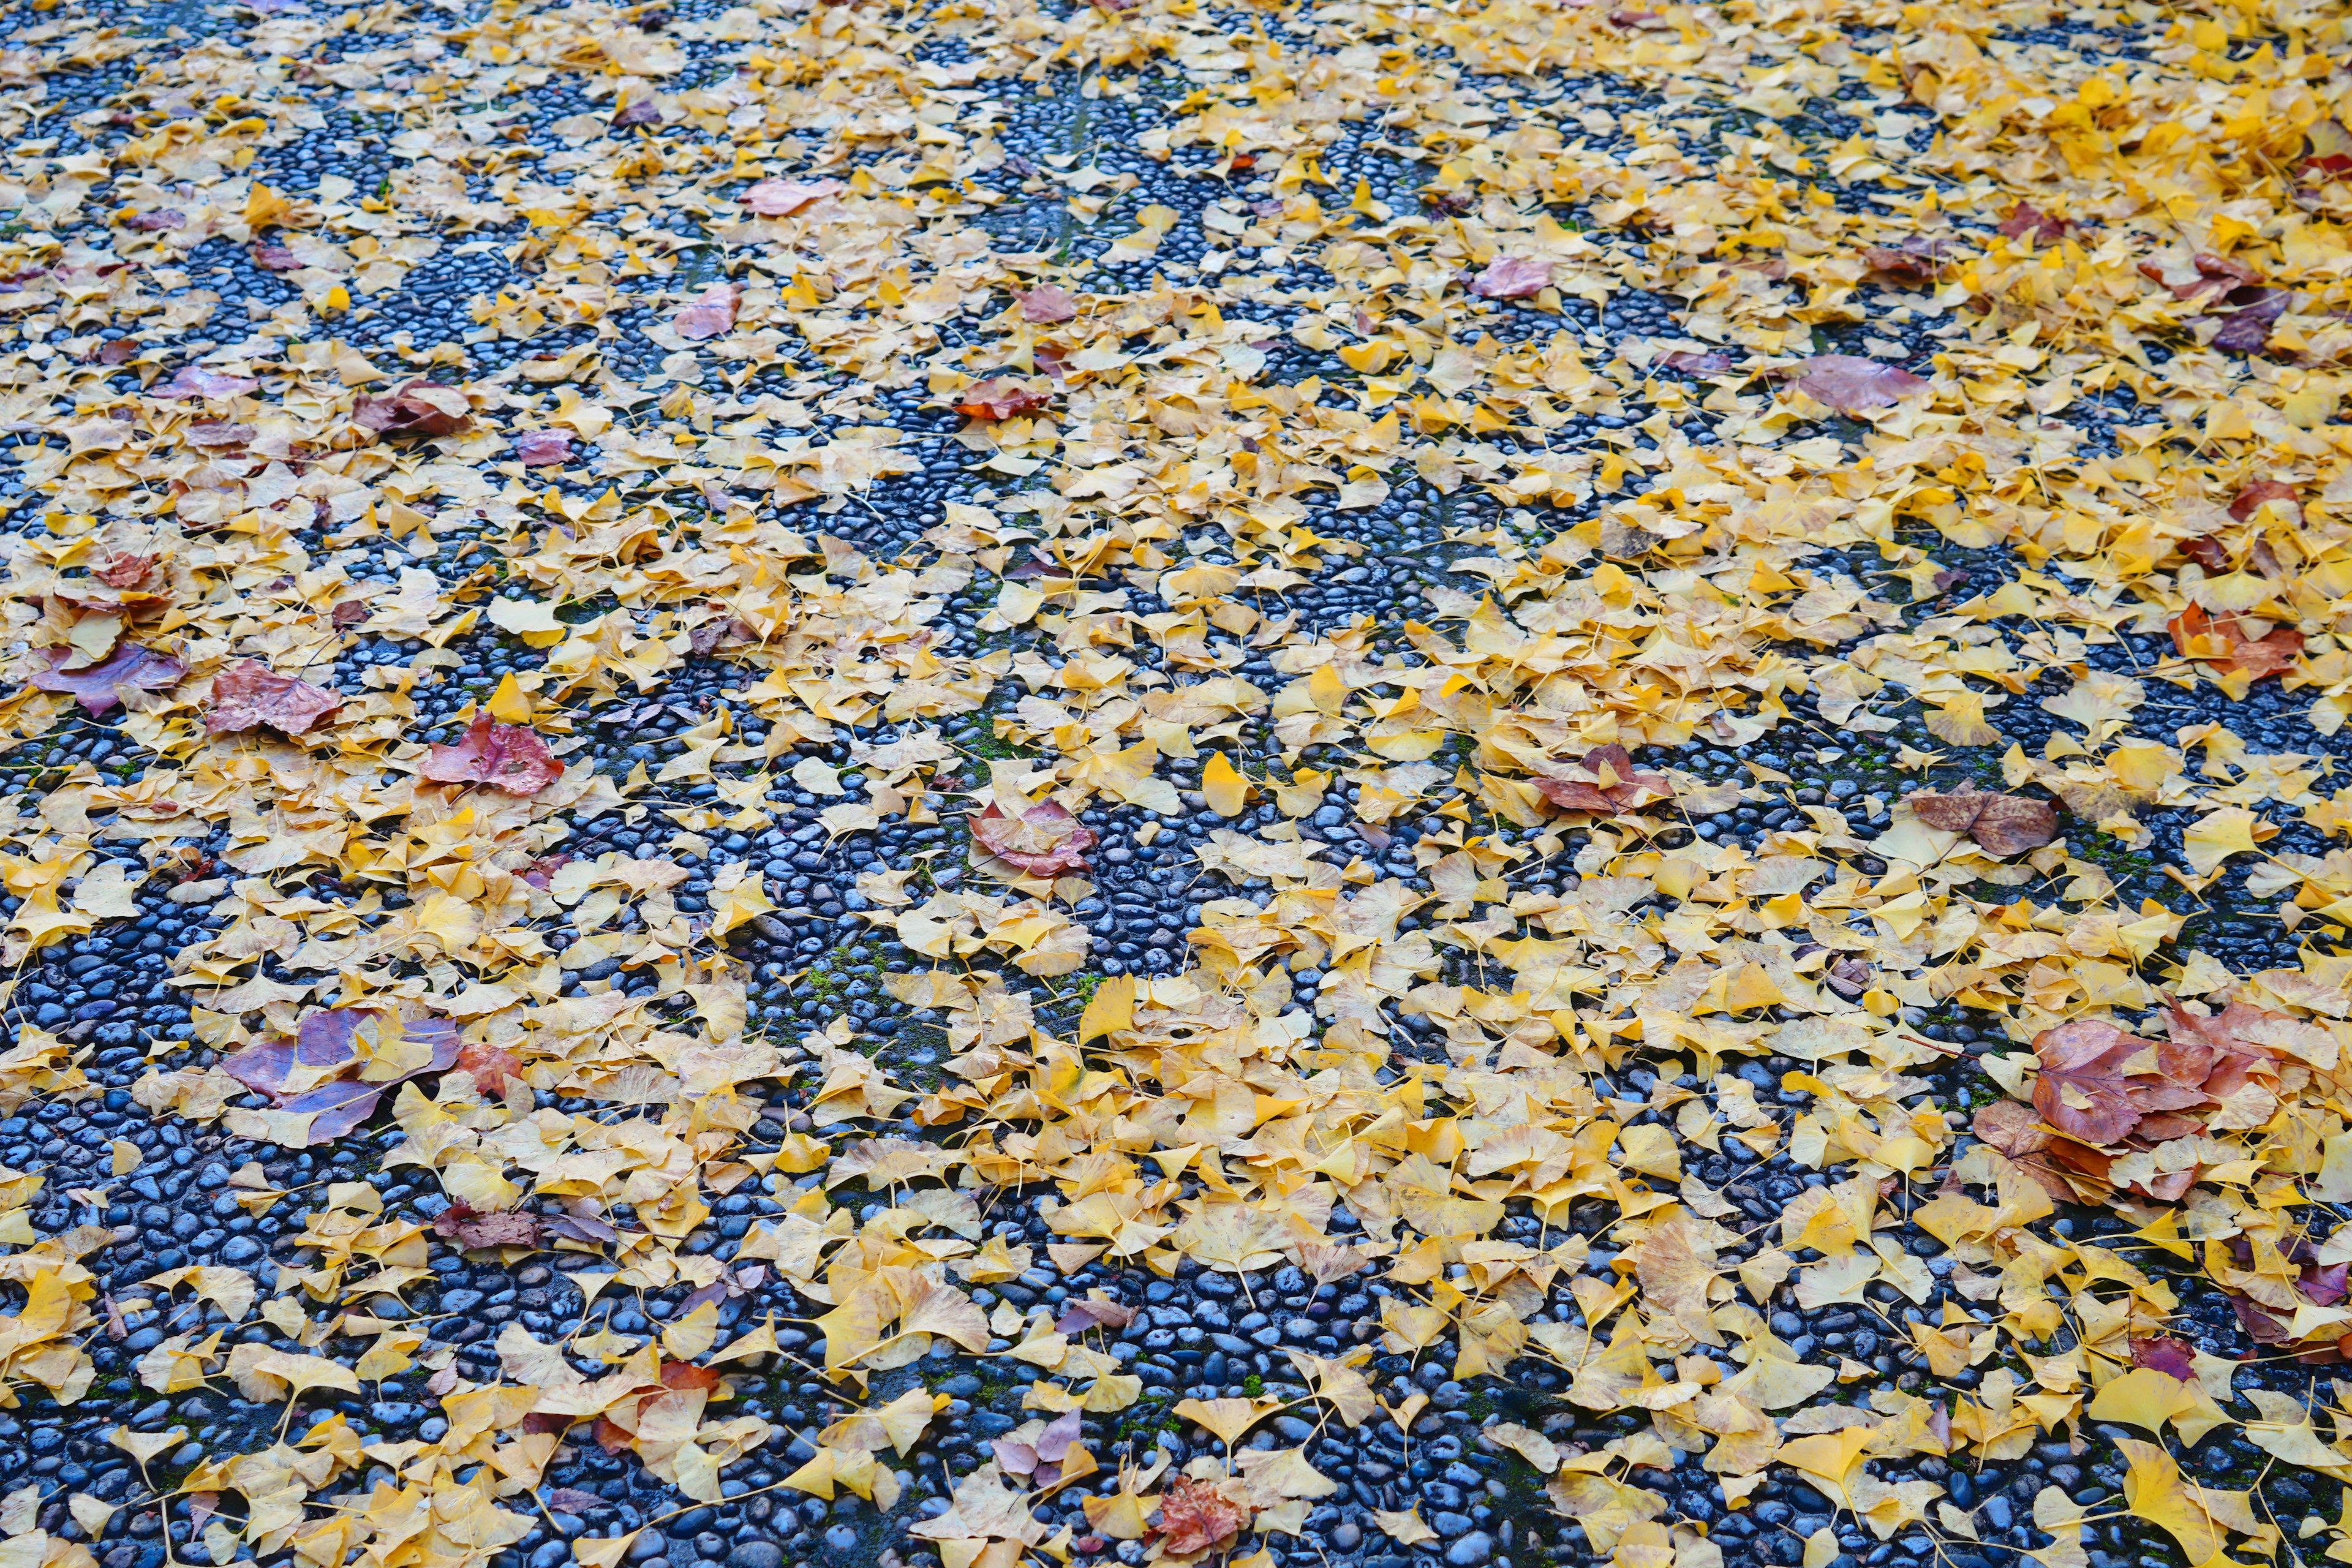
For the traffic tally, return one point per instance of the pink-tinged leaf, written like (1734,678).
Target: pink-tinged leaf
(1852,384)
(1044,841)
(1054,1441)
(271,257)
(1690,364)
(468,1226)
(421,409)
(1045,305)
(195,380)
(249,695)
(1080,1316)
(330,1038)
(162,218)
(508,757)
(100,687)
(219,433)
(781,198)
(644,111)
(542,449)
(567,1499)
(710,316)
(1512,277)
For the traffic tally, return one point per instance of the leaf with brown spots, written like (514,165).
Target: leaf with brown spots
(2001,825)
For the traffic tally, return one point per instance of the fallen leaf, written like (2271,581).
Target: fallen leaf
(1512,277)
(100,687)
(711,314)
(1851,385)
(2002,824)
(781,198)
(1195,1516)
(508,757)
(249,695)
(998,397)
(1044,841)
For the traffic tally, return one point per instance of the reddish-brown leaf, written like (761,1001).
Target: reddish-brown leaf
(1917,259)
(781,198)
(639,111)
(2081,1090)
(349,613)
(1605,780)
(124,569)
(1194,1516)
(2252,499)
(100,687)
(2026,221)
(271,257)
(542,449)
(490,1069)
(2001,823)
(2330,154)
(2229,643)
(1852,384)
(469,1226)
(195,380)
(1046,304)
(2258,1325)
(1512,277)
(2174,1358)
(249,694)
(711,315)
(116,351)
(1000,397)
(508,757)
(422,409)
(161,219)
(1044,841)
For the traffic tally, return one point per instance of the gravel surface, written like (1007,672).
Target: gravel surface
(508,222)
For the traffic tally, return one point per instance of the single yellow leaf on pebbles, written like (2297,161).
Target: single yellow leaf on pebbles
(1222,785)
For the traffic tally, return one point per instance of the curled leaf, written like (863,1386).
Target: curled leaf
(508,757)
(249,695)
(2174,1358)
(2230,643)
(1195,1516)
(1604,781)
(195,380)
